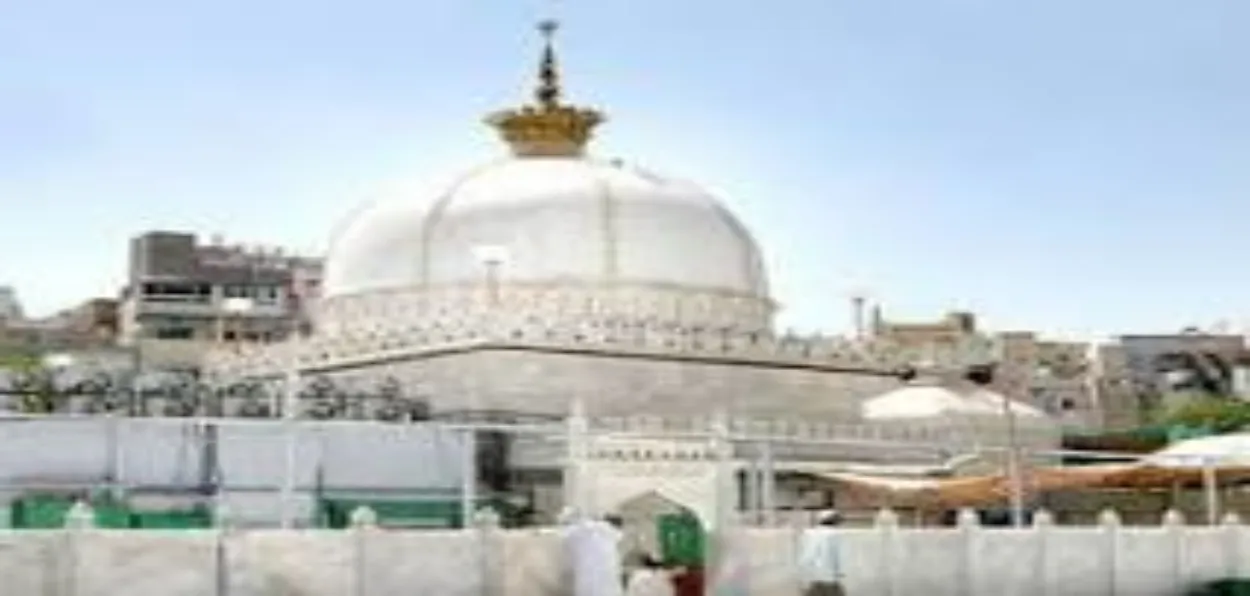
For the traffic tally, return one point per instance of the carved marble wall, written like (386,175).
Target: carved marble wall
(657,305)
(385,327)
(546,383)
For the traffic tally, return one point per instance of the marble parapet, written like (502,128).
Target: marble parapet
(387,341)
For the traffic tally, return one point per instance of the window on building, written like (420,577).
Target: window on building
(175,333)
(261,294)
(176,292)
(267,294)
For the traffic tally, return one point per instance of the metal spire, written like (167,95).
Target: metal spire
(548,91)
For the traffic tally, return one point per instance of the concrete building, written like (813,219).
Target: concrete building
(1166,369)
(950,329)
(1121,383)
(95,319)
(182,296)
(90,325)
(10,306)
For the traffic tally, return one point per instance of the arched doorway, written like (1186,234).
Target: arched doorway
(656,525)
(644,474)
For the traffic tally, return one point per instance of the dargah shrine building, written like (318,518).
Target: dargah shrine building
(550,282)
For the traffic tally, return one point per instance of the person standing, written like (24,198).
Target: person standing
(593,550)
(819,557)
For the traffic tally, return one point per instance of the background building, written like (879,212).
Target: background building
(1166,369)
(10,306)
(182,296)
(1049,375)
(90,325)
(1123,383)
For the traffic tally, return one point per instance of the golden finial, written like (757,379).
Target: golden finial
(547,128)
(548,91)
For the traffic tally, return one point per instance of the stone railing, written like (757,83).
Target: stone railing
(395,340)
(952,433)
(653,437)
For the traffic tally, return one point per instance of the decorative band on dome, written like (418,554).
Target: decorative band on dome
(547,128)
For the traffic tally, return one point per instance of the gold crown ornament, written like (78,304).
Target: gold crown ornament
(547,127)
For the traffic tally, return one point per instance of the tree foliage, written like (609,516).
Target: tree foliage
(1218,414)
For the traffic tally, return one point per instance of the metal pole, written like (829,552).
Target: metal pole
(1211,488)
(726,473)
(136,374)
(1014,466)
(769,488)
(290,407)
(468,480)
(1094,386)
(751,486)
(114,451)
(576,448)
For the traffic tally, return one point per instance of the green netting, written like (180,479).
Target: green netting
(49,512)
(1224,587)
(416,513)
(1181,432)
(41,513)
(1142,440)
(681,539)
(188,519)
(435,514)
(1154,432)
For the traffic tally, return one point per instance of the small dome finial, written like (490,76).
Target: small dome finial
(548,91)
(547,128)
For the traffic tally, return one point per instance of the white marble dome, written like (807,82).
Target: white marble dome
(550,221)
(548,235)
(922,401)
(970,417)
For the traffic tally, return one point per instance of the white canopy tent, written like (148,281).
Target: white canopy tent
(1209,454)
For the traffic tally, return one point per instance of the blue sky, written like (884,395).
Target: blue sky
(1075,166)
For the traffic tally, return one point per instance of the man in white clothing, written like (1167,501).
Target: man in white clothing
(594,558)
(819,560)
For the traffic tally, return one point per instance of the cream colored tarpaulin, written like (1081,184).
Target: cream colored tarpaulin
(984,490)
(921,492)
(1208,462)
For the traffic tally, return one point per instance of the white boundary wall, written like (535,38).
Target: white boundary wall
(885,560)
(361,561)
(1043,560)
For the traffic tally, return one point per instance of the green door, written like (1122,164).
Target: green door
(681,539)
